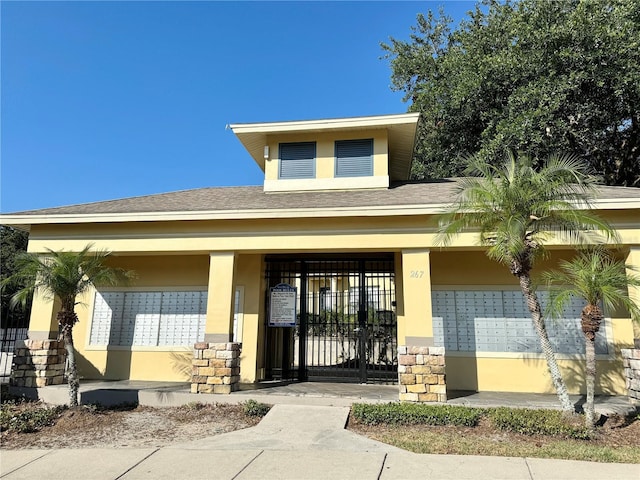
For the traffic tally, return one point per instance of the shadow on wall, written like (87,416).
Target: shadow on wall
(181,362)
(103,396)
(609,375)
(86,369)
(461,374)
(118,366)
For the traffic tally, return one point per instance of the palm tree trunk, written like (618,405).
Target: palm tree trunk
(590,378)
(554,371)
(592,317)
(66,320)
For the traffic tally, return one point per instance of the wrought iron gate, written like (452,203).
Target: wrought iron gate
(13,328)
(346,322)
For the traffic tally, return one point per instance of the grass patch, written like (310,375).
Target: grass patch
(449,429)
(451,441)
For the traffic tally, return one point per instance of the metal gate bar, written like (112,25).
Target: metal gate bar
(13,329)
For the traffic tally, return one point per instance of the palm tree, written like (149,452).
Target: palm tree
(598,278)
(517,208)
(65,276)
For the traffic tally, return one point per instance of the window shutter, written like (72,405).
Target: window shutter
(297,160)
(354,158)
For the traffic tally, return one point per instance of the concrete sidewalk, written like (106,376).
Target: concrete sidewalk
(291,442)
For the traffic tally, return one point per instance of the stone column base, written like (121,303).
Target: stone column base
(421,374)
(631,361)
(216,368)
(38,363)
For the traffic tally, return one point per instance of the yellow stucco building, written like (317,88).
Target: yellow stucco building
(328,271)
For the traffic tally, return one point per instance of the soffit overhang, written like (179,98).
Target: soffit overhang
(401,131)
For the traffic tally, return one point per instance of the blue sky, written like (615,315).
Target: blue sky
(104,100)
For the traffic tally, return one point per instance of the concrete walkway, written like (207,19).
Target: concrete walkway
(291,442)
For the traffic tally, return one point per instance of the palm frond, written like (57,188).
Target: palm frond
(64,274)
(595,276)
(516,207)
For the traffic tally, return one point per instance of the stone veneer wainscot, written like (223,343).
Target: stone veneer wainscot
(421,374)
(38,363)
(216,367)
(631,361)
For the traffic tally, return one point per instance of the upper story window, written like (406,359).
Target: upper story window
(297,160)
(354,158)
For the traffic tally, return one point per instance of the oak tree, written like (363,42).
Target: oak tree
(536,76)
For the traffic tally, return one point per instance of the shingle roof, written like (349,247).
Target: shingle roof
(253,198)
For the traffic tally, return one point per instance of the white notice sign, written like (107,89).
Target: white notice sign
(282,307)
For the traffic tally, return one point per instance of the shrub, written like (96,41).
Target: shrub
(255,409)
(537,422)
(518,420)
(415,414)
(25,420)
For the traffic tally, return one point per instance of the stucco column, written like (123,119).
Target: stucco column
(633,260)
(249,274)
(421,365)
(43,324)
(219,327)
(415,326)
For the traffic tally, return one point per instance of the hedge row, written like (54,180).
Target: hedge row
(415,414)
(537,422)
(518,420)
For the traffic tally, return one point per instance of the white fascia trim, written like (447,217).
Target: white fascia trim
(363,211)
(326,124)
(367,211)
(616,203)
